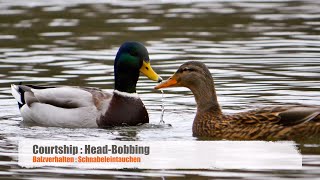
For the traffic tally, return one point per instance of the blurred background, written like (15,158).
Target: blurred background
(259,52)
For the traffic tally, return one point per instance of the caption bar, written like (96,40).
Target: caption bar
(160,154)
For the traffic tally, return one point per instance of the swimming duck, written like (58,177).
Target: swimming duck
(70,106)
(268,123)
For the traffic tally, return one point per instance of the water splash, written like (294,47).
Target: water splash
(162,108)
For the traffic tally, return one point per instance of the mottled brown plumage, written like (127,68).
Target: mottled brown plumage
(268,123)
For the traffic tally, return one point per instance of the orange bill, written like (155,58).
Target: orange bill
(172,81)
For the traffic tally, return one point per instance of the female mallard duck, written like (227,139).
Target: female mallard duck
(68,106)
(269,123)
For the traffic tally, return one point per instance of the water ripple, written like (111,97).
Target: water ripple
(259,53)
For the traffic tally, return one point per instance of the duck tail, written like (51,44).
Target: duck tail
(18,94)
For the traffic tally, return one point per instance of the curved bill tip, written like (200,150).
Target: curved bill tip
(167,83)
(160,79)
(147,70)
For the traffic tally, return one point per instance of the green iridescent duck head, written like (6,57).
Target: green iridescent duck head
(132,58)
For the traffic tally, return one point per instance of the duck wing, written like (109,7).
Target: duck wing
(299,115)
(59,96)
(281,115)
(61,106)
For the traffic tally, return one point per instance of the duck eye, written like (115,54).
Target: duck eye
(187,69)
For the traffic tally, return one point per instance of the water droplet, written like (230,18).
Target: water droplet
(162,108)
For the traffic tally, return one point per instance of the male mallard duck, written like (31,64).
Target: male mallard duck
(269,123)
(69,106)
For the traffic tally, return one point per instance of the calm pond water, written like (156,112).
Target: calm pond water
(259,52)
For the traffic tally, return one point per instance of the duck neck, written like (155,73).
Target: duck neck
(126,81)
(206,98)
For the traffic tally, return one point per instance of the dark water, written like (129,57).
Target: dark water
(259,52)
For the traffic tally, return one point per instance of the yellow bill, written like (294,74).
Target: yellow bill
(147,70)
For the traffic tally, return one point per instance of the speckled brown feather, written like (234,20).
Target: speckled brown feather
(259,124)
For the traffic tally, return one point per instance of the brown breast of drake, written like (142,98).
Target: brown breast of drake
(124,111)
